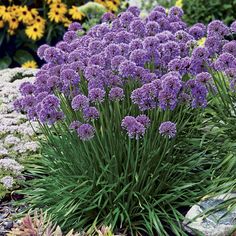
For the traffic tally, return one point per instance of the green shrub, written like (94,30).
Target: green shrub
(206,11)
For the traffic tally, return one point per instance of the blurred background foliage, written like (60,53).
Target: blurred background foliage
(205,11)
(27,24)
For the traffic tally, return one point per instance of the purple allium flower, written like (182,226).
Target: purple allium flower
(204,77)
(199,94)
(65,47)
(86,132)
(116,94)
(79,102)
(172,84)
(75,26)
(225,61)
(96,83)
(126,18)
(151,43)
(134,128)
(124,47)
(32,113)
(156,16)
(168,129)
(213,44)
(175,12)
(112,50)
(175,65)
(127,69)
(233,85)
(152,28)
(167,99)
(145,97)
(50,102)
(160,9)
(97,60)
(93,72)
(116,25)
(233,27)
(116,61)
(230,47)
(144,120)
(50,116)
(28,102)
(70,76)
(52,54)
(41,51)
(41,96)
(123,37)
(90,113)
(95,46)
(108,16)
(75,125)
(109,38)
(17,104)
(53,82)
(103,29)
(96,95)
(177,26)
(139,57)
(135,44)
(137,27)
(200,54)
(231,73)
(27,88)
(217,28)
(134,10)
(197,32)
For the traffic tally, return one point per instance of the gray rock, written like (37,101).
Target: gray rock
(217,223)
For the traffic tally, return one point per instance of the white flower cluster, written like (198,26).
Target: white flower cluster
(16,133)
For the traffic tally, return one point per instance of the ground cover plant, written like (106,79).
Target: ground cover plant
(24,26)
(17,138)
(122,109)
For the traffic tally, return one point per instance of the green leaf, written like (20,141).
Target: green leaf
(5,62)
(21,56)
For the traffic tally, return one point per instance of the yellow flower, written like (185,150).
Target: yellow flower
(66,22)
(40,20)
(30,64)
(34,12)
(179,3)
(201,41)
(2,10)
(102,2)
(1,24)
(34,31)
(75,13)
(25,15)
(10,31)
(5,13)
(111,6)
(55,15)
(13,23)
(53,1)
(60,7)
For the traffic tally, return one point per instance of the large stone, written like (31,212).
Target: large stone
(218,223)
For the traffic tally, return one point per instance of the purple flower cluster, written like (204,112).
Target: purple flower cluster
(135,127)
(158,57)
(168,129)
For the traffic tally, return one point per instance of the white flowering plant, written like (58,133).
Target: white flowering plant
(17,137)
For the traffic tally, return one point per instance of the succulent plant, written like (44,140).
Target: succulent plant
(38,225)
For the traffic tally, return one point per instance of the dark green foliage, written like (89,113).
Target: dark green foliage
(206,11)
